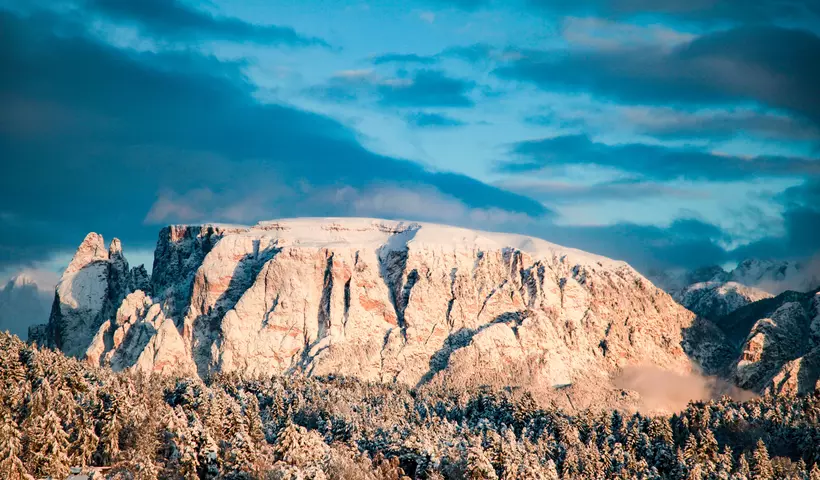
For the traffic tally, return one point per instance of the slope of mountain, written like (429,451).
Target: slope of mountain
(778,343)
(23,303)
(713,299)
(379,300)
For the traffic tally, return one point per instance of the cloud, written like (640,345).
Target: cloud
(435,120)
(685,242)
(651,161)
(602,34)
(674,124)
(554,192)
(467,5)
(427,88)
(421,88)
(801,225)
(772,66)
(428,17)
(697,11)
(403,58)
(663,391)
(175,122)
(176,20)
(396,200)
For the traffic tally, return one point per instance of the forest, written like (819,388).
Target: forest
(57,413)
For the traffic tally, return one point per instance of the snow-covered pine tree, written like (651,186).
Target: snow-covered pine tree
(47,446)
(84,439)
(11,466)
(761,463)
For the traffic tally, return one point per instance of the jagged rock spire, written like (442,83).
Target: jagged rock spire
(89,293)
(92,249)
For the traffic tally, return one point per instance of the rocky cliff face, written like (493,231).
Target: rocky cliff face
(89,291)
(778,340)
(380,300)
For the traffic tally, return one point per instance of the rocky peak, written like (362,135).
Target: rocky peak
(89,292)
(91,250)
(20,281)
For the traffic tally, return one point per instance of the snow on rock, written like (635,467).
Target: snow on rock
(380,300)
(88,293)
(780,351)
(714,299)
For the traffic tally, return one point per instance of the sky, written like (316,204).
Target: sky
(667,133)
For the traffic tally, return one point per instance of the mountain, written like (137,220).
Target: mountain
(713,299)
(713,292)
(23,303)
(777,342)
(771,276)
(378,300)
(89,292)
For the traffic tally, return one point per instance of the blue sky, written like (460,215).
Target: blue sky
(668,133)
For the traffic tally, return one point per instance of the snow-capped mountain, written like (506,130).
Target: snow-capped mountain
(714,299)
(777,276)
(712,291)
(379,300)
(23,303)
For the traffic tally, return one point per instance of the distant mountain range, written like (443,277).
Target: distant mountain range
(23,302)
(771,276)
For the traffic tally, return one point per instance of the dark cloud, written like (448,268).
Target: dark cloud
(651,161)
(773,66)
(169,122)
(176,20)
(801,225)
(427,88)
(699,11)
(552,193)
(684,243)
(404,58)
(671,124)
(423,119)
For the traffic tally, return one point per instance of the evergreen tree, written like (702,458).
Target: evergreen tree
(11,467)
(85,439)
(48,446)
(761,463)
(815,472)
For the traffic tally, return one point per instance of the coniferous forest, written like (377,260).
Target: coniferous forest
(56,413)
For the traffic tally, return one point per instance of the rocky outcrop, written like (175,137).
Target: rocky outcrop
(383,301)
(778,340)
(88,293)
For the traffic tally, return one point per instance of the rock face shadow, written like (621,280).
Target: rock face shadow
(462,338)
(206,327)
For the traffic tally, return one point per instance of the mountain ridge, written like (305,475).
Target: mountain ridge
(380,300)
